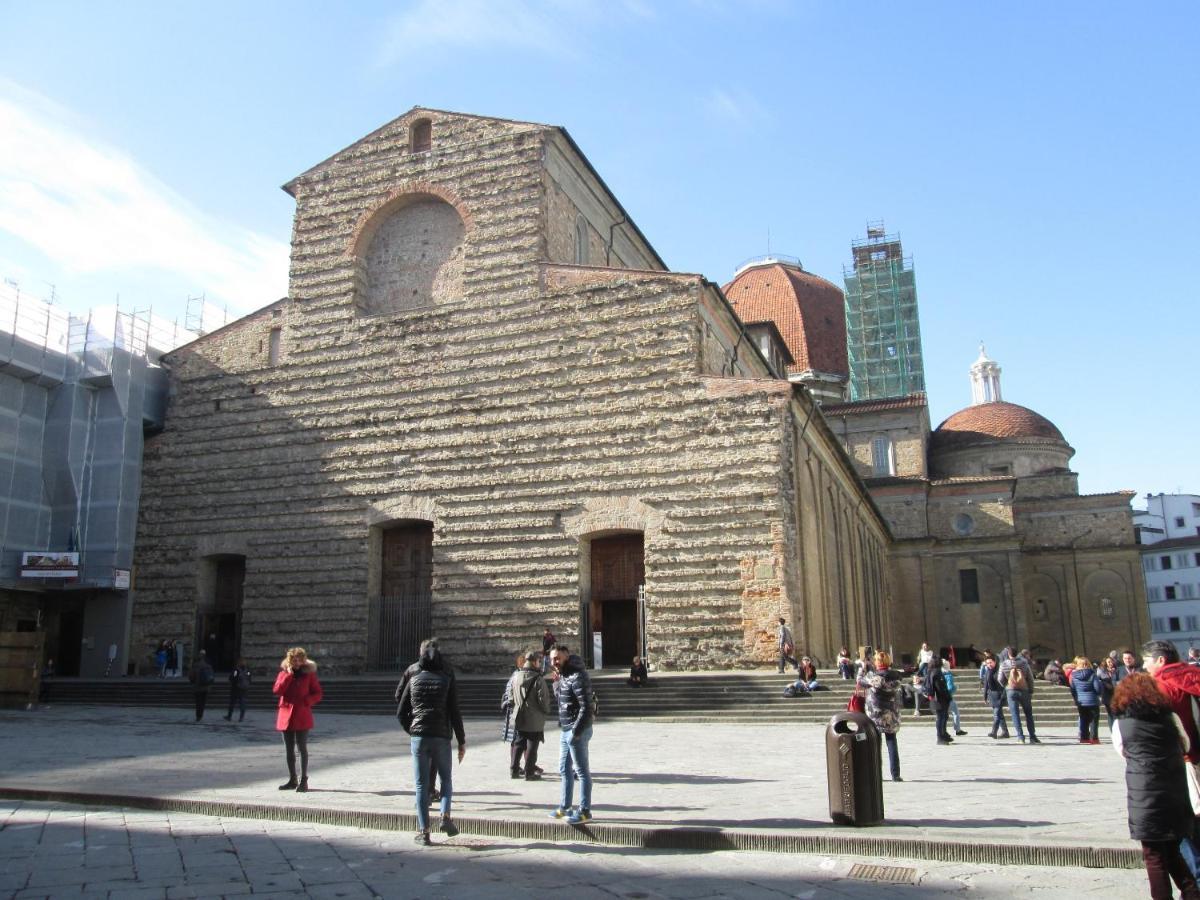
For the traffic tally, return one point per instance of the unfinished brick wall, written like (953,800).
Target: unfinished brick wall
(542,406)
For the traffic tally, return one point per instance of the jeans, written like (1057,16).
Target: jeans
(954,716)
(573,764)
(999,725)
(941,713)
(1021,701)
(430,754)
(238,698)
(893,755)
(1187,849)
(1089,723)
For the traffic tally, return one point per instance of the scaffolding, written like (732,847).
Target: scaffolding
(883,330)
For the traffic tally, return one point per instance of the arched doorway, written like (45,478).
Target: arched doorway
(617,571)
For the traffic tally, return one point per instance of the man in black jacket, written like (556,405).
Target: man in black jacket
(428,712)
(573,691)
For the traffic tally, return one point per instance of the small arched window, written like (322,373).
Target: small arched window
(1107,609)
(581,241)
(421,135)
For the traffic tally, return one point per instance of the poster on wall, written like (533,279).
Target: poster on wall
(121,579)
(49,564)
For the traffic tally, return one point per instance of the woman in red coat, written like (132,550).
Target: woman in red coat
(298,691)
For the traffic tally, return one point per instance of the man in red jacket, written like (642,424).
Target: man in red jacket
(1181,683)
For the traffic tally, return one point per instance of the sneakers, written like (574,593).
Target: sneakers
(960,733)
(448,827)
(422,838)
(534,777)
(897,778)
(1033,740)
(289,785)
(515,773)
(1021,739)
(302,787)
(579,816)
(435,795)
(560,813)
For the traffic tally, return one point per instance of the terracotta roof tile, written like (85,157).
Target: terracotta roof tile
(912,401)
(809,312)
(988,422)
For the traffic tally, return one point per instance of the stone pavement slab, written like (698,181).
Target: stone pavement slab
(763,784)
(380,864)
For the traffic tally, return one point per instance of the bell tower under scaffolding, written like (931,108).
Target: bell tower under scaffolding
(883,331)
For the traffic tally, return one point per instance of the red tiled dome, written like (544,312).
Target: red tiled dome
(809,312)
(985,423)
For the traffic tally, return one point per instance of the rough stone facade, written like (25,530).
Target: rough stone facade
(526,409)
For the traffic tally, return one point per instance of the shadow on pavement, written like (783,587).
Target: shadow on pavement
(670,778)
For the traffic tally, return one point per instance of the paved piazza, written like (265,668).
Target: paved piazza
(767,780)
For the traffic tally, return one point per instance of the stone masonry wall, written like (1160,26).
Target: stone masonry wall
(544,406)
(508,421)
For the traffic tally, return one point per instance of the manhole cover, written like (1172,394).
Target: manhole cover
(890,874)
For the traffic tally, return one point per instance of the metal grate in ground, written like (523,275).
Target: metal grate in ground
(890,874)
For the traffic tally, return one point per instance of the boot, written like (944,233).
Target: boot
(448,827)
(302,787)
(289,785)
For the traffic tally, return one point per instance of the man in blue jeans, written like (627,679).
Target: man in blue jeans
(429,713)
(573,692)
(1017,677)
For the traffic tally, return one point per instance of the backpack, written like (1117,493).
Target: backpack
(243,679)
(1017,680)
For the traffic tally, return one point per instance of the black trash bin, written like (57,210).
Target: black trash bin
(855,776)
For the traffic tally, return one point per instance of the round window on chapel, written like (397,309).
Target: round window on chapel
(963,524)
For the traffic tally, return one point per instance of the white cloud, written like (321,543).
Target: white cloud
(89,208)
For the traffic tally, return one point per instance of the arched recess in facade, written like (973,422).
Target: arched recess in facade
(1046,617)
(1106,610)
(400,574)
(410,251)
(817,629)
(615,537)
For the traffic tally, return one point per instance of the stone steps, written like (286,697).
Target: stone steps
(731,697)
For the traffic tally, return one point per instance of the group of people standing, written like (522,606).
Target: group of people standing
(166,659)
(428,709)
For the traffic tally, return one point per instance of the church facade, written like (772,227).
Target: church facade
(485,407)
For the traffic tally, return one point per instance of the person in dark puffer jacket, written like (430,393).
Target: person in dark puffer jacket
(1086,690)
(1152,740)
(428,712)
(573,691)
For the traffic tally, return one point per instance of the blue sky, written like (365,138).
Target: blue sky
(1038,160)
